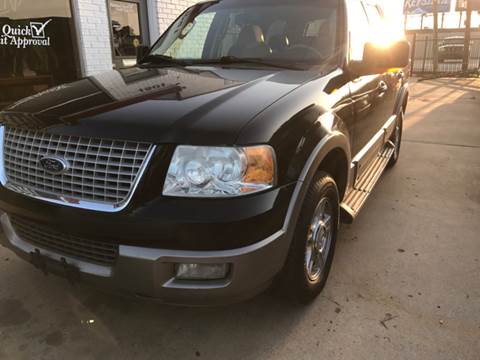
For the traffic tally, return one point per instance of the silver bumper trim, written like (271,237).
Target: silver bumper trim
(162,256)
(150,273)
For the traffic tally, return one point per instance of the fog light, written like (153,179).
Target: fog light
(201,271)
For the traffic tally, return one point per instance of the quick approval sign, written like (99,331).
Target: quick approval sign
(22,36)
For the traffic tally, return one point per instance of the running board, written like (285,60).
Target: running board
(355,200)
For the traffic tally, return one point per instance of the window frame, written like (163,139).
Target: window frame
(118,61)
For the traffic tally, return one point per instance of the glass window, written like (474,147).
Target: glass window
(36,47)
(126,30)
(276,30)
(359,28)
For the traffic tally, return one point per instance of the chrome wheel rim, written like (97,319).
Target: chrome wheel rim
(319,240)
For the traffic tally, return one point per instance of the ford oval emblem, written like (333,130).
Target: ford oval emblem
(54,165)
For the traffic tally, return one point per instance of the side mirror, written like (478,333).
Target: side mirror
(142,51)
(378,59)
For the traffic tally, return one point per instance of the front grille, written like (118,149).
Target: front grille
(50,239)
(99,170)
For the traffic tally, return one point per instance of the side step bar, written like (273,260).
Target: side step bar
(355,200)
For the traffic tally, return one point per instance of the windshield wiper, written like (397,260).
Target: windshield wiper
(237,60)
(163,59)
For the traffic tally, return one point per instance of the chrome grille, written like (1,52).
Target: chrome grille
(50,239)
(100,170)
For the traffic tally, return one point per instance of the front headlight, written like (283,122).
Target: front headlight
(204,171)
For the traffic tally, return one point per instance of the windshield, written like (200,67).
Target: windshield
(276,31)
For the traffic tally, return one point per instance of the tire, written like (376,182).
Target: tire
(397,139)
(300,279)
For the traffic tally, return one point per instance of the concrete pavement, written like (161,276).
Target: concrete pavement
(405,282)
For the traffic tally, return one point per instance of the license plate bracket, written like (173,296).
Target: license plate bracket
(45,264)
(39,261)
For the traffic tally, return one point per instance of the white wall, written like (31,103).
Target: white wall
(153,20)
(94,35)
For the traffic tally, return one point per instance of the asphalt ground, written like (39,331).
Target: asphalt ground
(405,282)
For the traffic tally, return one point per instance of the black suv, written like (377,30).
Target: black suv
(221,164)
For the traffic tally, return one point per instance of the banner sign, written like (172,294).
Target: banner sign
(462,5)
(416,7)
(22,36)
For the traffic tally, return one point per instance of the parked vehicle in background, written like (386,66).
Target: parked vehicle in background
(222,164)
(451,48)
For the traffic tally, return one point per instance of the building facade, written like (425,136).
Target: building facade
(46,43)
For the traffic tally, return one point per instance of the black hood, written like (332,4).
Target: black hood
(168,105)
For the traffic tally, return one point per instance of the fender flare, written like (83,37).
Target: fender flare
(402,95)
(335,140)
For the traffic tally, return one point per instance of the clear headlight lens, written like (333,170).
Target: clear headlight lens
(204,171)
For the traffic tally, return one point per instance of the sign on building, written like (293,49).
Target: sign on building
(415,7)
(21,36)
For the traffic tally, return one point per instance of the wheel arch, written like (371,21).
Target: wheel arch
(336,165)
(402,99)
(332,155)
(405,103)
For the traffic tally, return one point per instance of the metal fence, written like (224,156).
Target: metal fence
(451,51)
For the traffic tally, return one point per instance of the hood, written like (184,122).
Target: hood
(202,105)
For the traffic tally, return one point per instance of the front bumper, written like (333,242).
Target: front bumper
(150,272)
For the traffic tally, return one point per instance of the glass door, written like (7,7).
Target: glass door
(129,29)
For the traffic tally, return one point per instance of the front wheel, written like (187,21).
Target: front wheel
(311,254)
